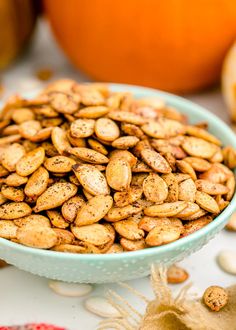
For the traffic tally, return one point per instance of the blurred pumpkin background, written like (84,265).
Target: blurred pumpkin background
(174,45)
(17,20)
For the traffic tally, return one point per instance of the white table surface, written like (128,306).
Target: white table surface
(27,298)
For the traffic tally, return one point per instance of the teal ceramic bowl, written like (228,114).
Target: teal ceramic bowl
(129,265)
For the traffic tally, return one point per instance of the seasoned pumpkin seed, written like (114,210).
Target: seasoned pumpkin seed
(82,128)
(125,142)
(96,234)
(8,229)
(129,229)
(174,175)
(14,210)
(37,183)
(120,213)
(91,179)
(207,202)
(165,210)
(30,162)
(106,129)
(59,164)
(12,155)
(155,188)
(55,196)
(118,174)
(187,190)
(88,155)
(94,210)
(155,160)
(60,140)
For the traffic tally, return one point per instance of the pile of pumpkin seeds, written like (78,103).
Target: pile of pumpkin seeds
(87,170)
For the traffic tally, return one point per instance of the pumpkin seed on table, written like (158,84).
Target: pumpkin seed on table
(227,261)
(176,275)
(70,289)
(101,307)
(231,224)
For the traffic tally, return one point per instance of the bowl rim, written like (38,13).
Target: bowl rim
(219,220)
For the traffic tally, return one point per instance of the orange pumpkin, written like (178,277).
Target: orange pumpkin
(175,45)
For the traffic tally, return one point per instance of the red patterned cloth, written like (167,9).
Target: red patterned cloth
(32,326)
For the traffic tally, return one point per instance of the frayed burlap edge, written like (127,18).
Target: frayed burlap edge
(166,312)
